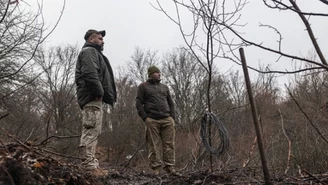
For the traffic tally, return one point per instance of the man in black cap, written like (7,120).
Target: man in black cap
(95,84)
(156,108)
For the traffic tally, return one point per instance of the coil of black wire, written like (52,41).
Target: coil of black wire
(222,135)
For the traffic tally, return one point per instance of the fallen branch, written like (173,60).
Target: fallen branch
(57,137)
(4,146)
(313,177)
(17,140)
(128,163)
(4,116)
(35,149)
(9,176)
(58,154)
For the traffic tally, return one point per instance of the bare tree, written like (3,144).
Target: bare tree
(140,61)
(128,130)
(207,40)
(227,23)
(22,32)
(58,65)
(293,7)
(186,79)
(217,33)
(306,127)
(57,92)
(25,114)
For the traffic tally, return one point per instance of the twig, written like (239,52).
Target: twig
(160,180)
(4,146)
(21,87)
(4,116)
(250,153)
(205,179)
(324,1)
(34,149)
(289,142)
(58,154)
(310,32)
(58,137)
(29,136)
(125,166)
(185,166)
(48,126)
(17,140)
(315,178)
(307,117)
(5,13)
(9,176)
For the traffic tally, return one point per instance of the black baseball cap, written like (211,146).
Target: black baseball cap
(91,31)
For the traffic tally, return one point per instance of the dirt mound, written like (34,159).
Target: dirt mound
(21,164)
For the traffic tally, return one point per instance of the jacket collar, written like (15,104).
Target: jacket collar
(88,44)
(153,81)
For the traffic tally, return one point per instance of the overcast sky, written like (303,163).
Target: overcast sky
(128,24)
(131,23)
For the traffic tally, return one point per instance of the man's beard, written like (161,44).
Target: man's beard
(157,79)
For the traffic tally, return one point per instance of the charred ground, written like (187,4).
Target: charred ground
(22,164)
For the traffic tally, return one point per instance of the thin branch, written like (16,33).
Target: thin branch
(4,116)
(324,1)
(283,6)
(11,180)
(6,11)
(310,32)
(40,41)
(21,87)
(273,50)
(127,164)
(289,142)
(36,150)
(58,137)
(277,31)
(307,117)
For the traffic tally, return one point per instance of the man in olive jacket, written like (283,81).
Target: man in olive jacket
(156,108)
(95,84)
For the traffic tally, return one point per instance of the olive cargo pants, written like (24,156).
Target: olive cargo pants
(161,134)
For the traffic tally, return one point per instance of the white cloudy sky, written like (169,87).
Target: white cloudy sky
(131,23)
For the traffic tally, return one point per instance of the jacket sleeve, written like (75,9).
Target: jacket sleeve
(90,71)
(140,102)
(171,104)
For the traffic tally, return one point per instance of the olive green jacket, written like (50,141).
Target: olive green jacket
(94,76)
(154,100)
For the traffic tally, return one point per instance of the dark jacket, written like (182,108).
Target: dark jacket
(94,76)
(154,100)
